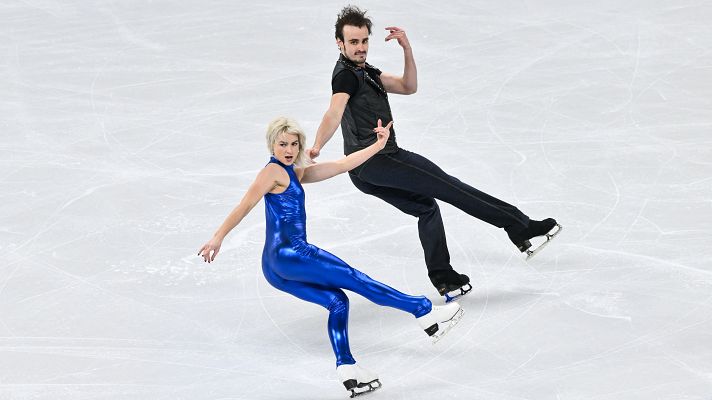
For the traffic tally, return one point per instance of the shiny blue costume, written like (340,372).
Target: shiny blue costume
(292,265)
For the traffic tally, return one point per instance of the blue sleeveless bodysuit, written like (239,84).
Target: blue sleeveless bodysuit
(294,266)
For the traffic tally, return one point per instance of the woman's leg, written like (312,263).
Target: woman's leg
(334,300)
(322,268)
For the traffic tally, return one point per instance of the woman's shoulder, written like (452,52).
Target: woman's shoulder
(299,171)
(272,172)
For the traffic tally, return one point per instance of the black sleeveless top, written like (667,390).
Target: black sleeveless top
(364,109)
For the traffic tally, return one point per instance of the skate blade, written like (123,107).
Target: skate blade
(548,237)
(457,293)
(365,388)
(443,330)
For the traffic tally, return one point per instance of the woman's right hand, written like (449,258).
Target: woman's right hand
(210,250)
(383,132)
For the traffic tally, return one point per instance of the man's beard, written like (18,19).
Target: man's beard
(357,59)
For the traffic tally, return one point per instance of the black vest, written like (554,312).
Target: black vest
(364,108)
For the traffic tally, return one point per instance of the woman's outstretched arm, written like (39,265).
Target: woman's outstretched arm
(319,172)
(265,181)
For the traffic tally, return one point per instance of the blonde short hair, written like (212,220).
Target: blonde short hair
(281,125)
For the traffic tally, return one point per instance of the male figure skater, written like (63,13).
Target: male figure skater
(406,180)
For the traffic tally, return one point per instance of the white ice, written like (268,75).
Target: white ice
(129,129)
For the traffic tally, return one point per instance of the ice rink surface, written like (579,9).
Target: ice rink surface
(129,129)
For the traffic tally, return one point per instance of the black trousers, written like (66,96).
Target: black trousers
(411,183)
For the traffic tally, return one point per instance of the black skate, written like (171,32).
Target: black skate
(450,284)
(546,229)
(357,380)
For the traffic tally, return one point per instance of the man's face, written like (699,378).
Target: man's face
(355,44)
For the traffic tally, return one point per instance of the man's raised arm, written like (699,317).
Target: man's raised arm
(408,83)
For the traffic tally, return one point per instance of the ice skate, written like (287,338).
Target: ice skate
(542,231)
(357,380)
(440,320)
(450,284)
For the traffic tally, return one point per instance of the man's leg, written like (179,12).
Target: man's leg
(447,281)
(414,173)
(430,223)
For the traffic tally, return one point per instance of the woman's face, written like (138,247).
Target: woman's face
(286,148)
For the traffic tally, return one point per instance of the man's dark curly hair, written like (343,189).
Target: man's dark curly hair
(351,15)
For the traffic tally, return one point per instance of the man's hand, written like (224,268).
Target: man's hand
(312,153)
(399,35)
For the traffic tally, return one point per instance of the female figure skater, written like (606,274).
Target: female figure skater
(292,265)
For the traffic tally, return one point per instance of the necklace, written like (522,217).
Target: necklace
(366,75)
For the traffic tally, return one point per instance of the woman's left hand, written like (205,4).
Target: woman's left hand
(383,132)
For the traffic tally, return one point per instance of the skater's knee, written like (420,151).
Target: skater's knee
(339,303)
(422,208)
(429,208)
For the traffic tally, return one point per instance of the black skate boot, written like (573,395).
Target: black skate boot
(450,284)
(546,229)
